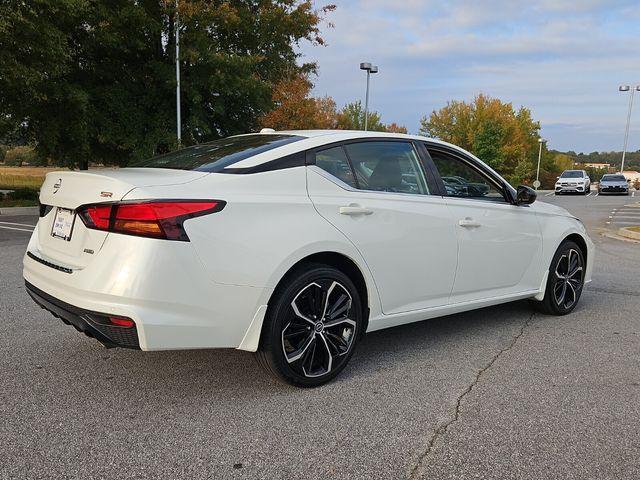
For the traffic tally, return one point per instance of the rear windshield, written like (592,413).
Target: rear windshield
(614,178)
(215,156)
(572,174)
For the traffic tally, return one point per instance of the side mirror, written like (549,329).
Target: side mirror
(557,178)
(525,195)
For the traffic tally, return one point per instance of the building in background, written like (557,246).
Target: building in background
(597,166)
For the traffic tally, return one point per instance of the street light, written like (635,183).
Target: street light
(370,69)
(537,182)
(627,88)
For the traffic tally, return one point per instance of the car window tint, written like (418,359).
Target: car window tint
(462,180)
(387,167)
(217,155)
(334,161)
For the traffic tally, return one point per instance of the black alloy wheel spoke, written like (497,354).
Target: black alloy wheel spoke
(319,331)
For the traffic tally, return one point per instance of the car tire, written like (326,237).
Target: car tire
(565,280)
(312,325)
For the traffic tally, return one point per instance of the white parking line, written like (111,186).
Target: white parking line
(20,224)
(549,194)
(17,229)
(589,194)
(633,194)
(598,193)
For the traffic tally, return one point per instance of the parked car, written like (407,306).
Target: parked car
(573,181)
(293,245)
(613,183)
(466,188)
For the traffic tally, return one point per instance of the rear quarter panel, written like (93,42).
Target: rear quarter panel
(267,226)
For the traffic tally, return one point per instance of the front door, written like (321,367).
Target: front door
(500,244)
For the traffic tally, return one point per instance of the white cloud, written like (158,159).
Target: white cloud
(562,60)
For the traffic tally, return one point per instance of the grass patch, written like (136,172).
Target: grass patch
(23,177)
(634,229)
(17,203)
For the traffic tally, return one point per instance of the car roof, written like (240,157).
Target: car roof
(318,138)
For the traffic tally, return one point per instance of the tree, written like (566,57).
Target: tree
(351,117)
(296,110)
(395,128)
(504,138)
(95,79)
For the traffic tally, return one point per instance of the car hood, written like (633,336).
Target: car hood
(549,209)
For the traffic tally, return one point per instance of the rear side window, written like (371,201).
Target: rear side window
(217,155)
(387,167)
(334,161)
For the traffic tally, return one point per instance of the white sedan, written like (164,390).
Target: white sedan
(293,245)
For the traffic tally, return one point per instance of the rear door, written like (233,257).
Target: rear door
(500,244)
(376,193)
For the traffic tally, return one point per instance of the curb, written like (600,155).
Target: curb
(19,211)
(626,232)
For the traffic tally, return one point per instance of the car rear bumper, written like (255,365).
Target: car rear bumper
(84,321)
(161,286)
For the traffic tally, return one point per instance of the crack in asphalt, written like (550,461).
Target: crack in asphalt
(442,429)
(611,290)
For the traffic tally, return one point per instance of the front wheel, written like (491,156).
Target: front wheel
(312,326)
(565,280)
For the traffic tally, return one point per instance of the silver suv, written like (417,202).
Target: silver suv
(573,181)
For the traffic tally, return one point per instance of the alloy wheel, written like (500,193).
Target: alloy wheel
(320,329)
(569,279)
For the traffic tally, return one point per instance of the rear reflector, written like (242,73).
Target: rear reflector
(153,218)
(121,322)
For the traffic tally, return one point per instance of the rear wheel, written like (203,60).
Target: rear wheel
(565,281)
(312,325)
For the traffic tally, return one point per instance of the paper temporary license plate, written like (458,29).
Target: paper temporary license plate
(63,224)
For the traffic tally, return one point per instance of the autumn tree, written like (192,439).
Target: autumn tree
(294,109)
(504,138)
(96,79)
(395,128)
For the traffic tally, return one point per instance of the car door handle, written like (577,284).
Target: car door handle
(354,210)
(468,223)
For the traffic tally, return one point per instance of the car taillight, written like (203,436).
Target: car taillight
(152,218)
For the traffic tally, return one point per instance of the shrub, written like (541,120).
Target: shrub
(20,155)
(23,194)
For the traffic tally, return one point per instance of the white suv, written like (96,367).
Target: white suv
(573,181)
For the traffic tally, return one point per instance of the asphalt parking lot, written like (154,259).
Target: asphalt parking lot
(501,392)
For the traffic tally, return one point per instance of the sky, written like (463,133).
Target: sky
(564,60)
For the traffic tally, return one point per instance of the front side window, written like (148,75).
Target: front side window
(334,161)
(462,180)
(387,167)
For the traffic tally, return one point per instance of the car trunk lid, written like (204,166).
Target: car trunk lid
(62,237)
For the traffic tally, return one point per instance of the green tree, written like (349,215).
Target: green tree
(504,138)
(351,117)
(95,79)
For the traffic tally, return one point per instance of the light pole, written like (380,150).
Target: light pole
(627,88)
(178,120)
(540,142)
(370,69)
